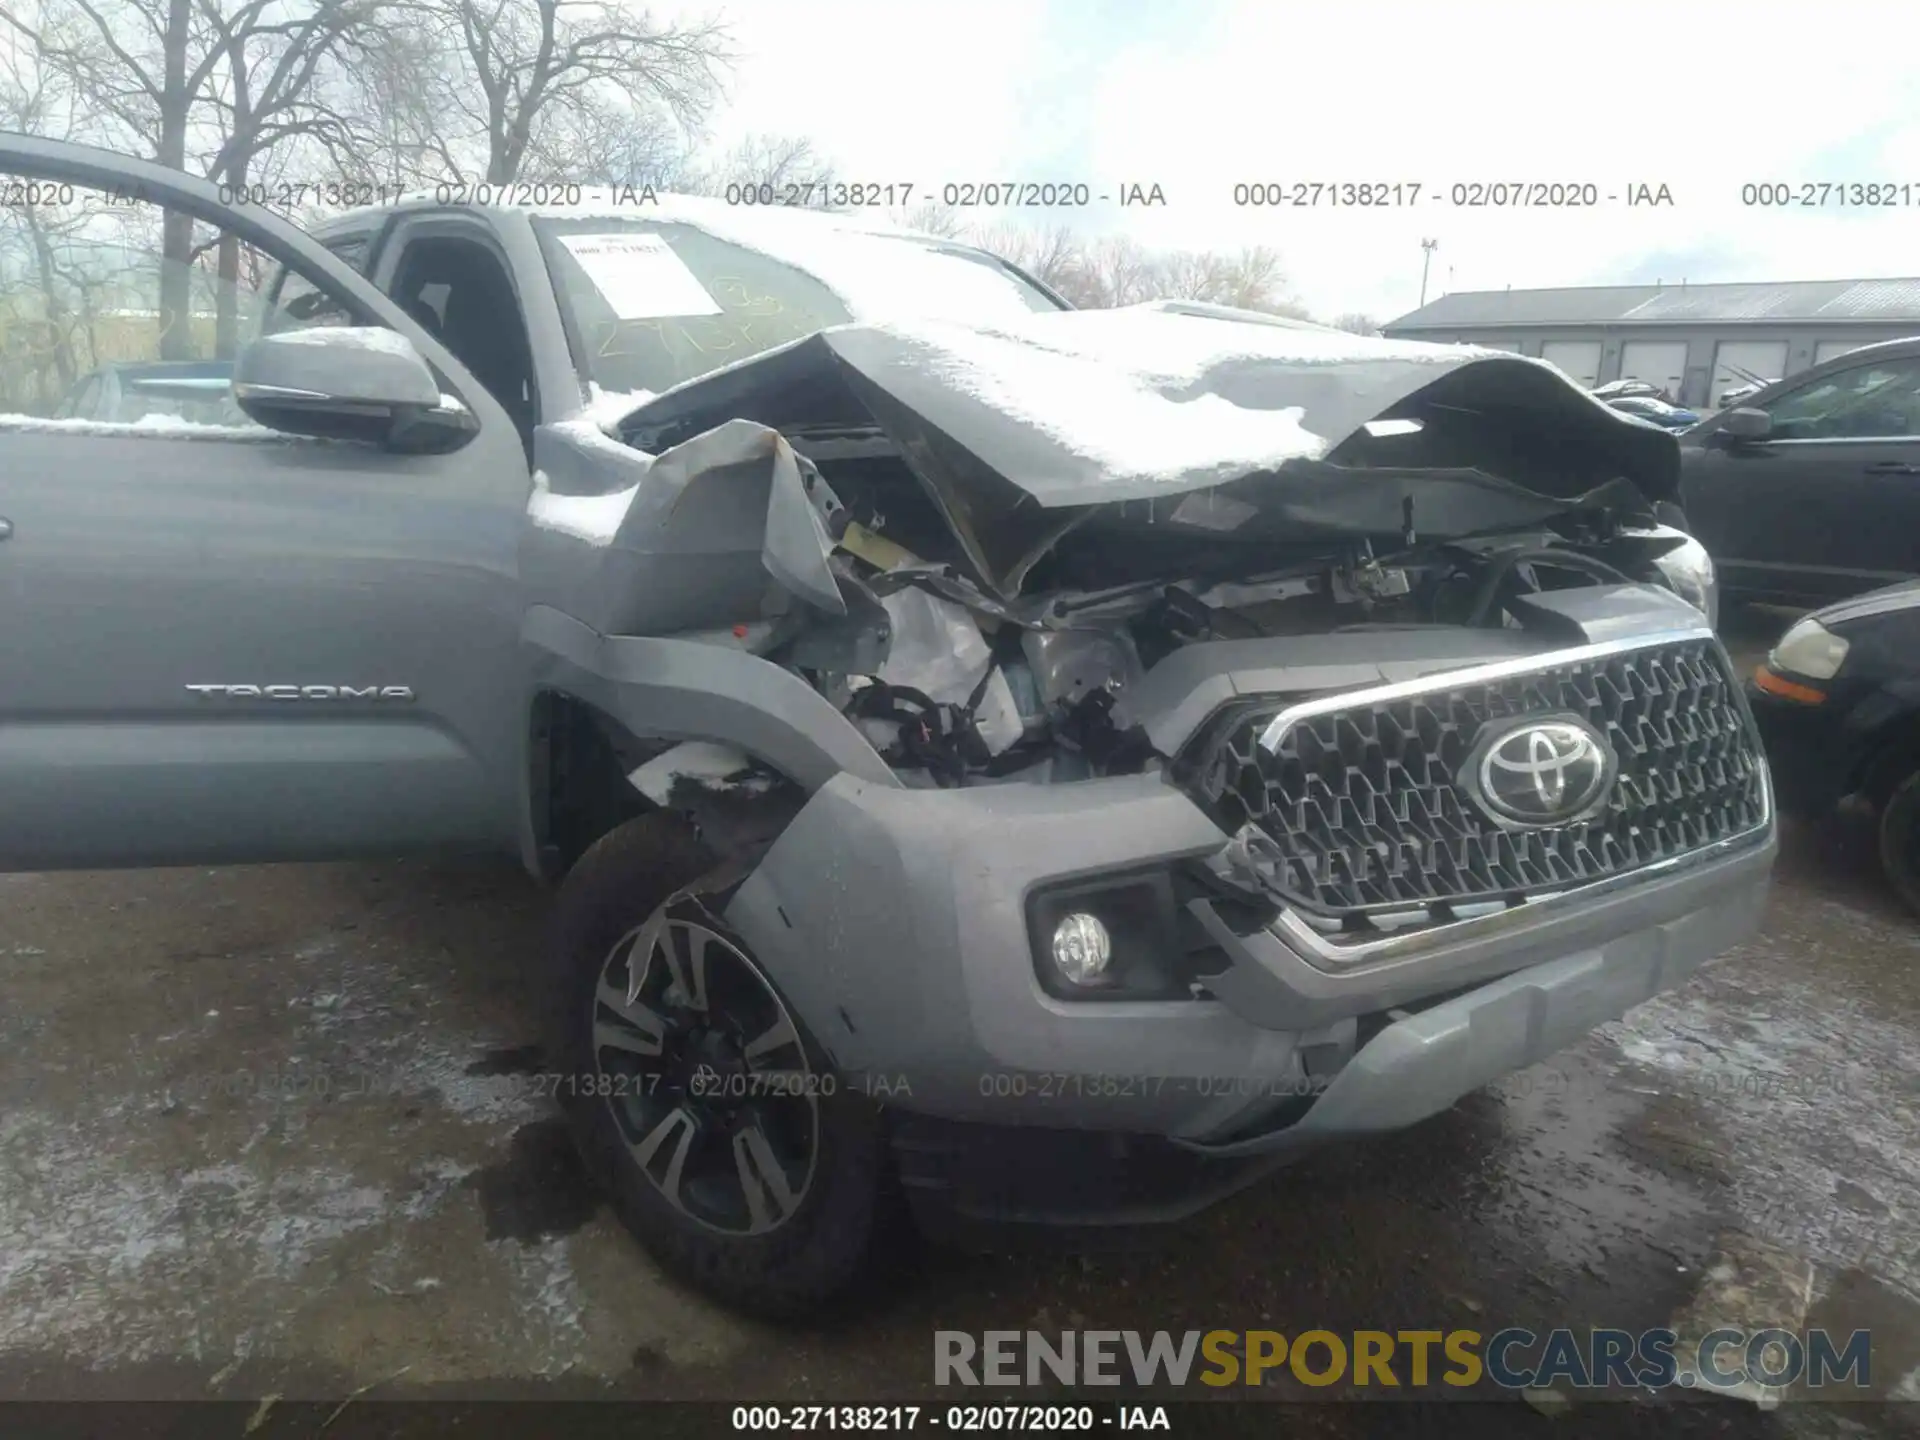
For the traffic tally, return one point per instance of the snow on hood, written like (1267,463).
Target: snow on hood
(1131,391)
(1082,407)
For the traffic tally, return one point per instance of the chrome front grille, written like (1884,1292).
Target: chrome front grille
(1352,811)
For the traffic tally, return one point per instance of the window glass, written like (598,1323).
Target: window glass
(350,248)
(654,304)
(114,310)
(81,402)
(1872,401)
(298,304)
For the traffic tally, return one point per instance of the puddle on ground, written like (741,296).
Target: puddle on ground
(540,1191)
(1856,1299)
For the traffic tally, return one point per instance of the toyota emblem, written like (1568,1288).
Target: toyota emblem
(1540,772)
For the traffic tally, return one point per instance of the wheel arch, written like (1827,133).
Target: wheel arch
(599,705)
(1890,753)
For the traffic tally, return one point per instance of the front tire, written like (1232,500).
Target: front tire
(1900,840)
(702,1105)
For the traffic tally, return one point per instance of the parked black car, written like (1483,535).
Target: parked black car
(1810,490)
(1838,701)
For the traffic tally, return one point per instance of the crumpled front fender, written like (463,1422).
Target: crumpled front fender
(672,689)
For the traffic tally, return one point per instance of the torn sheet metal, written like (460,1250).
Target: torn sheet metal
(1083,407)
(697,531)
(1020,432)
(700,763)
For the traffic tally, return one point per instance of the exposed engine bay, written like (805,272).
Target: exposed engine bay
(956,686)
(957,689)
(989,606)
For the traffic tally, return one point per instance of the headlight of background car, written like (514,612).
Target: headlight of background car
(1809,649)
(1689,571)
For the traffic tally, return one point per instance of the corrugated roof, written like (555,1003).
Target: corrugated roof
(1895,300)
(1874,299)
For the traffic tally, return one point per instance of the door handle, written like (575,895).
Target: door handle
(6,527)
(1892,467)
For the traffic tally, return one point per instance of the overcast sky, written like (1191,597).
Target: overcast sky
(1197,95)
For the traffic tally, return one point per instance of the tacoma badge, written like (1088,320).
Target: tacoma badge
(304,692)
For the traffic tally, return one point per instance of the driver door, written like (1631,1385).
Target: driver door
(223,642)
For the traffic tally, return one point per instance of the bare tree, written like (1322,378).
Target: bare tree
(264,95)
(1051,256)
(524,69)
(390,101)
(156,76)
(128,65)
(609,139)
(1113,270)
(1357,322)
(777,163)
(930,217)
(1116,270)
(48,314)
(1253,279)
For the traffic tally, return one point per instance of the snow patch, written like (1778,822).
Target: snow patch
(372,338)
(157,426)
(553,1302)
(606,408)
(80,1225)
(1123,414)
(593,518)
(1815,1090)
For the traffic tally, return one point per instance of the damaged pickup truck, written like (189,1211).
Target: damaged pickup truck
(1020,766)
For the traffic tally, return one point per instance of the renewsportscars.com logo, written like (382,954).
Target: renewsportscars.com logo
(1513,1358)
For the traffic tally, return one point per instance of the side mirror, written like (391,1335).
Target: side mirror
(1745,423)
(349,383)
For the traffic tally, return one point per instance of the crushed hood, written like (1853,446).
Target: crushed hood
(1064,411)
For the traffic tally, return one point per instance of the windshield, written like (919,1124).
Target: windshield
(653,304)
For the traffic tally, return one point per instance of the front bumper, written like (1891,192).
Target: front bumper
(1809,751)
(895,921)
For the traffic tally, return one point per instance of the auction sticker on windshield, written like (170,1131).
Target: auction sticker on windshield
(640,277)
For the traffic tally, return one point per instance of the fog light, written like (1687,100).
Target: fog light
(1082,948)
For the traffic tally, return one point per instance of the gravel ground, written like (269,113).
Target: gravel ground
(273,1130)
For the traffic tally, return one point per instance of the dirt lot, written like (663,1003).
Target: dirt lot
(275,1130)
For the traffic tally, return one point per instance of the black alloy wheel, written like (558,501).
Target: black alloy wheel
(704,1073)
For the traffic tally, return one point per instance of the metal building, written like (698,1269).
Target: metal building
(1695,341)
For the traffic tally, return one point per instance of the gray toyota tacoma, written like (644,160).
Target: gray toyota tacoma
(1006,764)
